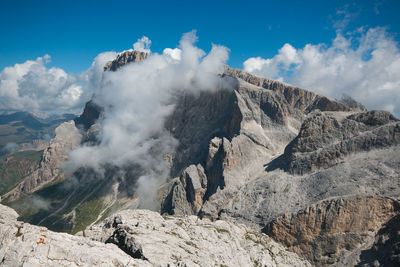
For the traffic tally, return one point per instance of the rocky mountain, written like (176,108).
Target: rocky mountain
(317,175)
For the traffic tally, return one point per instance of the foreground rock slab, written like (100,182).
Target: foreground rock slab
(22,244)
(140,238)
(189,241)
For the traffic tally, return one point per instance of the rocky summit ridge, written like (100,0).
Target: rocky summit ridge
(140,238)
(317,175)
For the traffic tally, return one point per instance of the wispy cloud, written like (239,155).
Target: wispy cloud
(143,44)
(136,100)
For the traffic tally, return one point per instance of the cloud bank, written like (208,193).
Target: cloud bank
(136,100)
(364,64)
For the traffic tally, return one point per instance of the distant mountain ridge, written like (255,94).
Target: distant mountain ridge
(24,127)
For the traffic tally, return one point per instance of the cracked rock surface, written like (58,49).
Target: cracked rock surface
(23,244)
(189,241)
(143,238)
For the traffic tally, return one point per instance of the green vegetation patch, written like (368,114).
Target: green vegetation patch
(14,167)
(87,213)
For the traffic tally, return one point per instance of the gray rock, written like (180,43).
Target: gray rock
(352,103)
(127,243)
(190,241)
(22,244)
(324,139)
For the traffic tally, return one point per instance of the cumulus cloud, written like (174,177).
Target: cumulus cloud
(33,87)
(143,44)
(136,100)
(174,54)
(364,64)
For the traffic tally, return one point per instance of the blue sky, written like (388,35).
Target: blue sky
(329,47)
(74,32)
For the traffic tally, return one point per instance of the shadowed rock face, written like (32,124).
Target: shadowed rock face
(385,250)
(327,232)
(90,115)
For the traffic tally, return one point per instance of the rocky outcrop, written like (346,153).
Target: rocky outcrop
(328,232)
(144,238)
(66,138)
(188,192)
(22,244)
(125,58)
(189,241)
(126,242)
(325,138)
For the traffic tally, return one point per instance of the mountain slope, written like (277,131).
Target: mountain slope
(22,128)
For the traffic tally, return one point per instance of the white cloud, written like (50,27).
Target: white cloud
(31,86)
(364,64)
(174,54)
(136,101)
(143,44)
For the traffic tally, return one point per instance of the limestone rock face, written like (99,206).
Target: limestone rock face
(22,244)
(190,189)
(325,138)
(328,232)
(125,58)
(67,137)
(189,241)
(233,134)
(144,238)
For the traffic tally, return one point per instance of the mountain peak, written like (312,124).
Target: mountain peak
(125,58)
